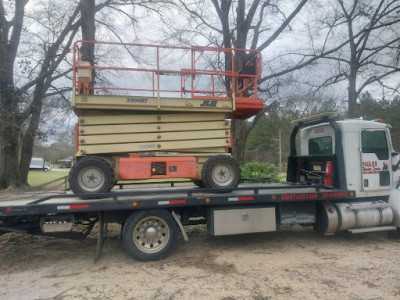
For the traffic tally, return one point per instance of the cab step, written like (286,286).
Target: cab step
(372,229)
(375,204)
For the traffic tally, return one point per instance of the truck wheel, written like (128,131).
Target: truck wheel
(150,234)
(221,171)
(91,175)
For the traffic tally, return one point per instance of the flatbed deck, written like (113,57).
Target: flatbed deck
(144,198)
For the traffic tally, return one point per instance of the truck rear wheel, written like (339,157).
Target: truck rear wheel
(221,172)
(150,234)
(91,175)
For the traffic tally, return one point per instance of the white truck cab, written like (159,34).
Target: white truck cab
(368,154)
(352,154)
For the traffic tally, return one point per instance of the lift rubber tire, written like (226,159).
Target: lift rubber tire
(91,175)
(150,235)
(199,183)
(221,172)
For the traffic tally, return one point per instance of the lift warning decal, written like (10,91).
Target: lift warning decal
(314,196)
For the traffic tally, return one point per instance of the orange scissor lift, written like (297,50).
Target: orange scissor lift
(150,112)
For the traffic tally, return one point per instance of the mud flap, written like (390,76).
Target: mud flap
(100,238)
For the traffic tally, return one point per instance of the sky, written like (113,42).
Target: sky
(306,30)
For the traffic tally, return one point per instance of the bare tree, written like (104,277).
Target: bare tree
(21,103)
(241,25)
(10,33)
(34,64)
(361,37)
(370,31)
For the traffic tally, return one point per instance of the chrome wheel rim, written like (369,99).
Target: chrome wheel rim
(151,234)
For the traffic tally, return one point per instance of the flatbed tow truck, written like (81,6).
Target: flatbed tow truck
(346,178)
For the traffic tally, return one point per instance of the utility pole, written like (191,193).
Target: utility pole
(280,151)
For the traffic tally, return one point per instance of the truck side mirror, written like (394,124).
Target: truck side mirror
(396,166)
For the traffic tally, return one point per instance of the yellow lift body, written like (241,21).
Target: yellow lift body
(148,111)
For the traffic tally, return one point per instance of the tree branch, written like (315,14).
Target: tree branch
(282,27)
(194,13)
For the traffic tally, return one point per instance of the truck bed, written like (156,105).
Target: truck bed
(144,198)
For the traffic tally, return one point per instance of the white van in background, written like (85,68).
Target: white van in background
(38,163)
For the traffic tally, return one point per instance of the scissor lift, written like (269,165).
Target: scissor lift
(159,112)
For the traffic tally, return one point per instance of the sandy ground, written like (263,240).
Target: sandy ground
(292,263)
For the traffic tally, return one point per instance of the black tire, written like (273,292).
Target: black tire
(221,172)
(199,183)
(91,175)
(150,235)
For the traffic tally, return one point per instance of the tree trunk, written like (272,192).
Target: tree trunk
(29,137)
(241,131)
(88,28)
(352,90)
(10,126)
(9,168)
(9,129)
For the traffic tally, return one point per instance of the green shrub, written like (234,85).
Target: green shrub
(282,177)
(257,169)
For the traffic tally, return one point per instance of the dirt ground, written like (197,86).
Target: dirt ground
(292,263)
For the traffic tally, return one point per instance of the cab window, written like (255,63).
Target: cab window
(320,146)
(375,142)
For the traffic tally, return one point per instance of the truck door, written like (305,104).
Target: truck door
(375,157)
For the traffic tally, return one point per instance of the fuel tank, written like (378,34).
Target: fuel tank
(354,217)
(394,200)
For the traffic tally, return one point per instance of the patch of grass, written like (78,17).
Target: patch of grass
(37,178)
(282,177)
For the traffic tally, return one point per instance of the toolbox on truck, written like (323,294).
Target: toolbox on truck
(223,221)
